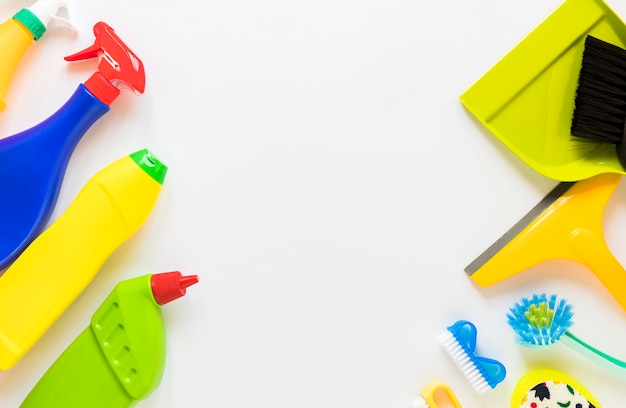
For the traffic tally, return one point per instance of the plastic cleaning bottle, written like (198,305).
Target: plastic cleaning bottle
(18,33)
(59,264)
(119,358)
(33,162)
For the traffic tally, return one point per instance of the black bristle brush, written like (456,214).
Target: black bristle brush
(600,102)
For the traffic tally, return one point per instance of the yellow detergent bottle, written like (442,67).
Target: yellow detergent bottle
(17,35)
(57,266)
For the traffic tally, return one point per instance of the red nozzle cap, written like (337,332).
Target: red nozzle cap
(168,286)
(118,64)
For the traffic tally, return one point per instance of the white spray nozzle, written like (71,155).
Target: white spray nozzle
(52,10)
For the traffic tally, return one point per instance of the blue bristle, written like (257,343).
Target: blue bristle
(527,333)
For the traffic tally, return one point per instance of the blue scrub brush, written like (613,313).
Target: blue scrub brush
(542,321)
(459,341)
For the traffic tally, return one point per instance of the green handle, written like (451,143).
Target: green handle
(594,354)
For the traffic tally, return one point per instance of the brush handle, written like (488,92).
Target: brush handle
(434,392)
(594,354)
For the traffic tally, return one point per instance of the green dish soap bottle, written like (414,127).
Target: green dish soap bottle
(120,357)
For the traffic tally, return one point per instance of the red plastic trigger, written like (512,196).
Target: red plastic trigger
(118,65)
(87,53)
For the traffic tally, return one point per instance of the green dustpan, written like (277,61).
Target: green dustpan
(527,99)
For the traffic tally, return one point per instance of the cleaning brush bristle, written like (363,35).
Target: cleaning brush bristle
(543,320)
(464,362)
(600,101)
(540,320)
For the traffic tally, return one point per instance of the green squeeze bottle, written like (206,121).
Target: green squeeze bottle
(120,357)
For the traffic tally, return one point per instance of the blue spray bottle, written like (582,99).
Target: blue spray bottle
(33,162)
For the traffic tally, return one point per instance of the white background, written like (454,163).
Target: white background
(327,186)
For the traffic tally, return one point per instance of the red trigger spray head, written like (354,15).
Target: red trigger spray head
(118,65)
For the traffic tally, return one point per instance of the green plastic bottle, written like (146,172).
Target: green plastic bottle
(120,357)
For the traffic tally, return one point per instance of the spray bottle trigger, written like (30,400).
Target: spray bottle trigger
(88,53)
(118,65)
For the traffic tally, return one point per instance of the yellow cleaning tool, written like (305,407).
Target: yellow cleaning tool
(566,224)
(432,393)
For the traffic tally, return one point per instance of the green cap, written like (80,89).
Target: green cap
(150,164)
(31,22)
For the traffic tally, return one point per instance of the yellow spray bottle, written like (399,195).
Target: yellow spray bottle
(17,35)
(57,266)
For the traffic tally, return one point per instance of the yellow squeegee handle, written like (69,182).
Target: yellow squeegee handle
(594,253)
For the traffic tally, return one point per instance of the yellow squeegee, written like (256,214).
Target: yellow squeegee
(566,224)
